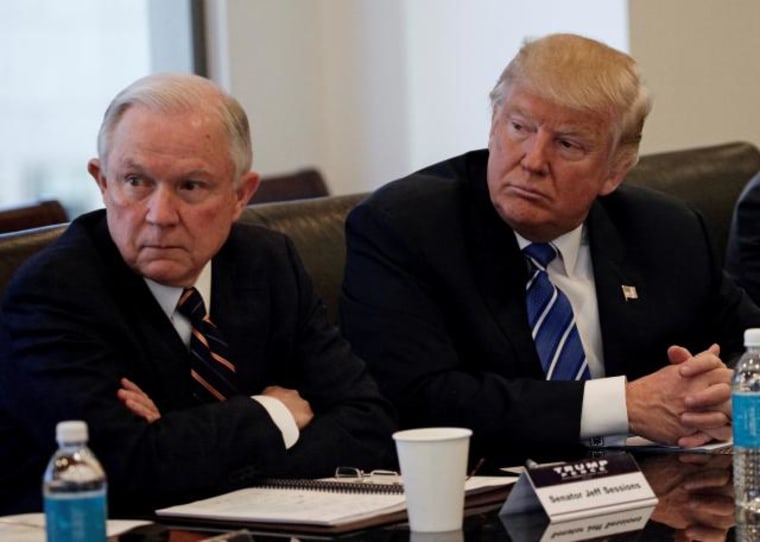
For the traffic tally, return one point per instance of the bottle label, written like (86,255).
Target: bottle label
(745,409)
(76,517)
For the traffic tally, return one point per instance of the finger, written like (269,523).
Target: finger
(701,363)
(706,533)
(144,411)
(705,420)
(695,439)
(129,385)
(122,394)
(720,434)
(133,396)
(702,437)
(138,409)
(699,482)
(678,354)
(714,397)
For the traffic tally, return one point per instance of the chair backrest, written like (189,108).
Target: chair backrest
(316,227)
(708,178)
(18,246)
(301,184)
(32,215)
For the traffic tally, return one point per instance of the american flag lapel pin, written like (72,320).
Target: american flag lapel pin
(629,292)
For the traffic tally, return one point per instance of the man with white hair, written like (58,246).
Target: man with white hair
(195,348)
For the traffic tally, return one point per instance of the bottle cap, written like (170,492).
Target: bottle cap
(73,431)
(752,337)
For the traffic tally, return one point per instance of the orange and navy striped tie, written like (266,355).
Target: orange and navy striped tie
(212,372)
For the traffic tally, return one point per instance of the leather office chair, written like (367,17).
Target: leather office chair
(32,215)
(708,178)
(302,184)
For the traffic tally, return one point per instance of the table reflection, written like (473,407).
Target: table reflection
(696,502)
(696,494)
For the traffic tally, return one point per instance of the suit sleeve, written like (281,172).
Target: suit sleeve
(64,353)
(353,422)
(407,321)
(746,239)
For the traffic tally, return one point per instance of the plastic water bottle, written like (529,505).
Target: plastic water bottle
(745,404)
(74,489)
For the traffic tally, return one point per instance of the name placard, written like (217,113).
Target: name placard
(581,489)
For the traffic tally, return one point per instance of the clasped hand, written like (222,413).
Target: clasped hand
(687,403)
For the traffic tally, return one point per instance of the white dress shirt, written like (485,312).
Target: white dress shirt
(168,297)
(604,412)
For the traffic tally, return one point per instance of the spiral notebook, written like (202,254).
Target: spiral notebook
(323,503)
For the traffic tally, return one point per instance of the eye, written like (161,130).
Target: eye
(191,185)
(133,180)
(518,128)
(571,149)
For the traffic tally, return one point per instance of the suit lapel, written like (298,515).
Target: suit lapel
(501,274)
(236,280)
(620,290)
(164,361)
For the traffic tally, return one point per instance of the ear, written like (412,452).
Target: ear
(96,172)
(622,164)
(612,182)
(495,110)
(247,186)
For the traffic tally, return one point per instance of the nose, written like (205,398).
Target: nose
(536,153)
(162,207)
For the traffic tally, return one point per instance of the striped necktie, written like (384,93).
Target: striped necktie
(212,372)
(551,320)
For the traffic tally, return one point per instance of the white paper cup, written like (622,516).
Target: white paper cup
(433,463)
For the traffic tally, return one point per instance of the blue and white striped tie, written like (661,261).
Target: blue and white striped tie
(551,320)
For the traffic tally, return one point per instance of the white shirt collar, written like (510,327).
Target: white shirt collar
(568,245)
(168,296)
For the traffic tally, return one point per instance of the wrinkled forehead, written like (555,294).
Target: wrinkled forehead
(560,116)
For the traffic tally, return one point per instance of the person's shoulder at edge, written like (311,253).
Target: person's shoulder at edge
(436,179)
(74,245)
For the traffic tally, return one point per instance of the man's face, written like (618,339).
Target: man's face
(168,187)
(547,164)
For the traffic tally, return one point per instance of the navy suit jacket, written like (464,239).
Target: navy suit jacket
(76,319)
(434,301)
(743,249)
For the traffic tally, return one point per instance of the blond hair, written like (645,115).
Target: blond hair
(587,75)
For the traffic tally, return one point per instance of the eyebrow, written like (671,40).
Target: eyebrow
(585,130)
(130,163)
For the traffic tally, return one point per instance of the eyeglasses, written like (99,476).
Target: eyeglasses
(377,476)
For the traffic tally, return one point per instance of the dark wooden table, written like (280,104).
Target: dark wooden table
(696,502)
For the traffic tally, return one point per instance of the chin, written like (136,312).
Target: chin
(163,274)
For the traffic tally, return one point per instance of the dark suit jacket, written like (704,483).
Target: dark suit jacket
(743,249)
(434,301)
(76,319)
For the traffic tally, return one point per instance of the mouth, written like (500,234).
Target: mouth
(160,247)
(525,193)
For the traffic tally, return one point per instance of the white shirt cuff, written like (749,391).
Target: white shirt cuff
(281,417)
(604,411)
